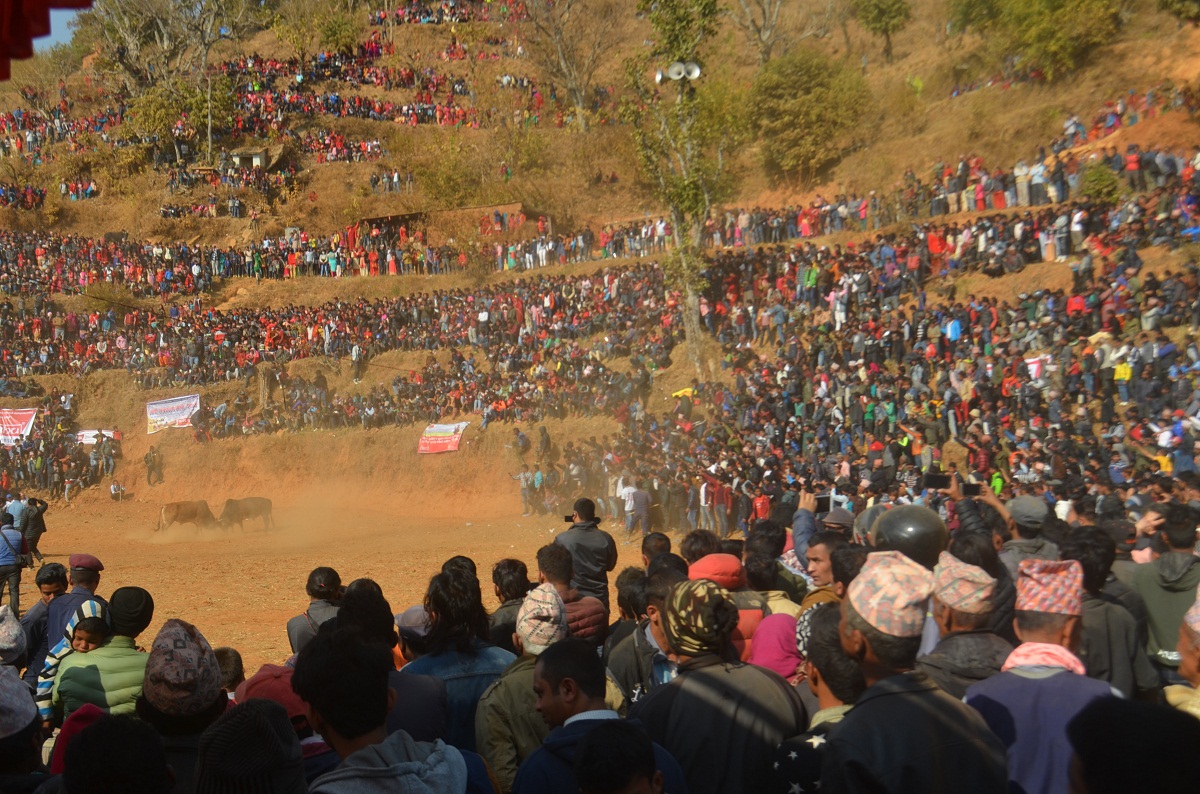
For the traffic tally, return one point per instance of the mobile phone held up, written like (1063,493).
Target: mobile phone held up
(933,482)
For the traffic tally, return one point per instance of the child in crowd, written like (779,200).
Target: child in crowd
(90,634)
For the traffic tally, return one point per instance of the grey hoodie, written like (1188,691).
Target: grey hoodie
(398,764)
(1019,549)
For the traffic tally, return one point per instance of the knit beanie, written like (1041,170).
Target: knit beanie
(130,610)
(250,749)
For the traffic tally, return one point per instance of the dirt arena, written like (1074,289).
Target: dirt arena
(240,588)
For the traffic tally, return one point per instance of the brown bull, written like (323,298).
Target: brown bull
(185,513)
(238,510)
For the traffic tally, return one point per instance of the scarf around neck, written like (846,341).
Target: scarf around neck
(1042,654)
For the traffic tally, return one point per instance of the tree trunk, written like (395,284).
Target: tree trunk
(581,115)
(887,47)
(692,327)
(764,51)
(209,98)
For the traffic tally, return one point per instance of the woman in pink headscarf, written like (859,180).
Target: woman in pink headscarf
(774,647)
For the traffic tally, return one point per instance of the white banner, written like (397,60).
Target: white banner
(89,436)
(176,412)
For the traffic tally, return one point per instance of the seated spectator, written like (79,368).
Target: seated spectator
(412,629)
(1110,731)
(587,617)
(1187,698)
(344,681)
(119,754)
(250,747)
(569,686)
(904,733)
(274,683)
(510,582)
(233,671)
(324,588)
(507,729)
(710,703)
(836,681)
(21,737)
(421,702)
(110,675)
(457,650)
(181,695)
(639,664)
(962,605)
(1044,684)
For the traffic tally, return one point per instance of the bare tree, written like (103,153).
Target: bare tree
(298,23)
(759,20)
(154,40)
(567,40)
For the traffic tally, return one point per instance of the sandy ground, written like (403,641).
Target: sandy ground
(240,588)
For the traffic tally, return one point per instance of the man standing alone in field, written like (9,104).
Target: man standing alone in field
(593,551)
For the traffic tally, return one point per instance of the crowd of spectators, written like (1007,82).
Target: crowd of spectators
(448,12)
(867,648)
(28,197)
(52,458)
(77,188)
(25,133)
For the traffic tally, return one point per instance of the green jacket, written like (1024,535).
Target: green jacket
(1168,586)
(507,726)
(109,677)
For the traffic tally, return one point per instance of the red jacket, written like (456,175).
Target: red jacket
(726,571)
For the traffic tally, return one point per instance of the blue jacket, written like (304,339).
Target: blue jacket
(467,675)
(62,608)
(804,526)
(550,770)
(9,556)
(1040,701)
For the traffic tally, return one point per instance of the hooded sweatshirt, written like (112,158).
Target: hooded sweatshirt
(1168,586)
(398,764)
(726,571)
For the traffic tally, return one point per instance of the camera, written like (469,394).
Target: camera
(569,519)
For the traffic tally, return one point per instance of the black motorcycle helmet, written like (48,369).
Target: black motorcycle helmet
(916,532)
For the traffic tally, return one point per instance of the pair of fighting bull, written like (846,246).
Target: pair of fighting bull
(236,511)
